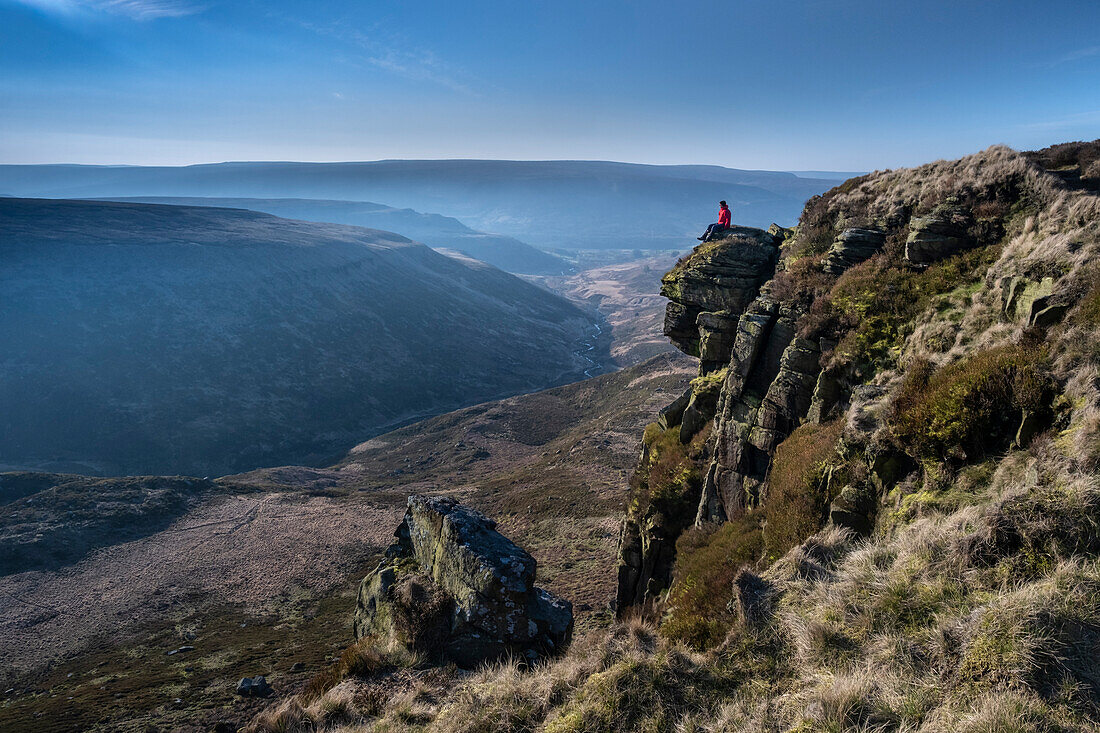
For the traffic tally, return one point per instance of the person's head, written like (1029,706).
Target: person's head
(722,204)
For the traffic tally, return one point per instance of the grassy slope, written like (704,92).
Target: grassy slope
(550,467)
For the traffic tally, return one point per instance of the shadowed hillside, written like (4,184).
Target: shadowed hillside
(510,255)
(166,339)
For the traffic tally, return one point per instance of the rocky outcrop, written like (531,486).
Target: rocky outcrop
(1032,301)
(708,291)
(451,586)
(755,400)
(715,339)
(671,415)
(254,687)
(767,392)
(851,247)
(780,233)
(647,552)
(701,408)
(720,277)
(938,235)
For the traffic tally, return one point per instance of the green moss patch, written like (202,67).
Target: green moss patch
(875,304)
(971,407)
(668,482)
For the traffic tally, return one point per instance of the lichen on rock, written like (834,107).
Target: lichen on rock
(453,587)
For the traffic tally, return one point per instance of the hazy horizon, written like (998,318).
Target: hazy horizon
(799,173)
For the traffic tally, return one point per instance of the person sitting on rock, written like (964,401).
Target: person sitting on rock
(722,224)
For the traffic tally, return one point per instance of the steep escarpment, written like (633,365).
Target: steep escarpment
(885,276)
(172,339)
(708,292)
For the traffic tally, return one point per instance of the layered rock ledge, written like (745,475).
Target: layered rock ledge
(453,587)
(716,312)
(710,288)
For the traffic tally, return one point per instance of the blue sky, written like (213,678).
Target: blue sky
(776,84)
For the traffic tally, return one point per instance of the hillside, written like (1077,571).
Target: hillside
(168,339)
(874,509)
(549,204)
(257,572)
(434,230)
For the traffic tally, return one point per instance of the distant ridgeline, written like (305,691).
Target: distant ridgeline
(172,339)
(549,204)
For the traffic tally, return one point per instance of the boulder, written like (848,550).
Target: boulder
(780,233)
(254,687)
(851,247)
(1043,313)
(753,598)
(453,587)
(1023,297)
(853,509)
(934,237)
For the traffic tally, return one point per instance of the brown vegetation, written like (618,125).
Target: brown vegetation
(707,559)
(797,500)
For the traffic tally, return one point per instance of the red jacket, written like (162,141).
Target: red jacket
(724,217)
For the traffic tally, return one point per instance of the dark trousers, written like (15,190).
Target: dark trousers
(712,230)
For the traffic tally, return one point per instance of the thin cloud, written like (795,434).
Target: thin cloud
(1082,118)
(419,66)
(136,9)
(1081,53)
(402,59)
